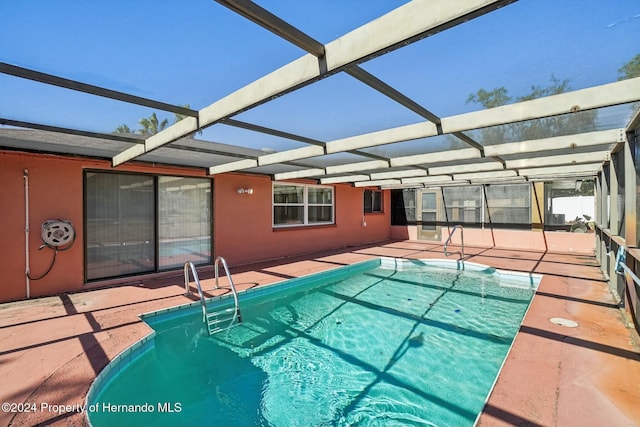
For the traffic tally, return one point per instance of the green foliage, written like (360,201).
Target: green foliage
(123,128)
(150,125)
(631,69)
(555,87)
(584,121)
(490,99)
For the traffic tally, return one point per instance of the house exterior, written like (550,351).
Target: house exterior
(143,219)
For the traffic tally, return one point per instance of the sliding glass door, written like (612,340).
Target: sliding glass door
(138,223)
(184,221)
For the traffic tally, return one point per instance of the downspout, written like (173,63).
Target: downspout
(26,231)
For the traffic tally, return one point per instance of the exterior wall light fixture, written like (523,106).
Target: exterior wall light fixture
(245,190)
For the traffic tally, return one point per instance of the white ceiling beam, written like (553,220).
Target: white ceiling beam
(408,23)
(483,175)
(566,159)
(472,167)
(587,139)
(560,176)
(290,155)
(399,174)
(553,170)
(377,183)
(501,180)
(440,156)
(305,173)
(427,179)
(344,178)
(233,166)
(620,92)
(387,136)
(355,167)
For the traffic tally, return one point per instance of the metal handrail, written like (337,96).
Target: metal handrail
(233,288)
(447,253)
(188,265)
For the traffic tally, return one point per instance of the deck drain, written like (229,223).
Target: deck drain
(563,322)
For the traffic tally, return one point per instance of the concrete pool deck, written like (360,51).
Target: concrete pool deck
(52,348)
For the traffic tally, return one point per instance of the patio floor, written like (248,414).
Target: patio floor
(52,348)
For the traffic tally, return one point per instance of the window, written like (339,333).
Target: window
(372,201)
(429,211)
(509,204)
(464,204)
(298,204)
(140,224)
(184,223)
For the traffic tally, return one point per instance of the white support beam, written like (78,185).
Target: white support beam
(183,127)
(427,180)
(387,136)
(591,168)
(344,178)
(502,180)
(620,92)
(406,24)
(305,173)
(377,183)
(233,166)
(566,159)
(440,156)
(483,175)
(399,174)
(290,155)
(472,167)
(604,137)
(128,154)
(355,167)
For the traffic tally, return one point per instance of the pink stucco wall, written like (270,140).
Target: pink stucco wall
(243,231)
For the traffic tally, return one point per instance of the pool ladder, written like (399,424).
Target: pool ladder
(461,252)
(216,321)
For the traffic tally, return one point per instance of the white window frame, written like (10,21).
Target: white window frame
(305,204)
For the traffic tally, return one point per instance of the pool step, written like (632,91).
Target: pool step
(220,320)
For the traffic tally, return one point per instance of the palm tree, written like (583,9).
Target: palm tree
(151,125)
(123,129)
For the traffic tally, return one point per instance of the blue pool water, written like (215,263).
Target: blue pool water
(397,343)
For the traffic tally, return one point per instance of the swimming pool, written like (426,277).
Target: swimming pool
(384,342)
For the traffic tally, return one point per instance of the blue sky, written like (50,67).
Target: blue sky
(196,51)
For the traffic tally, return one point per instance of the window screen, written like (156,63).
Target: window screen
(120,216)
(184,221)
(509,204)
(464,204)
(126,215)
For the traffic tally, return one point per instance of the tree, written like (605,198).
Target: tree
(631,69)
(490,99)
(566,124)
(177,117)
(123,128)
(151,125)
